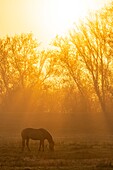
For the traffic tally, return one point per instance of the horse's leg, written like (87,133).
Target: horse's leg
(23,144)
(27,143)
(39,146)
(43,145)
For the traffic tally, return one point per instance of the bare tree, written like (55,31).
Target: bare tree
(90,40)
(74,68)
(22,68)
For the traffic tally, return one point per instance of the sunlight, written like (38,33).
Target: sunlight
(58,16)
(44,18)
(65,13)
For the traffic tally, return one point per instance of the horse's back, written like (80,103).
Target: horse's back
(35,134)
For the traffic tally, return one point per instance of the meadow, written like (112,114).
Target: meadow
(81,152)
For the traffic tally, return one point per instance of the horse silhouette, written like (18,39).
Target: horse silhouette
(36,134)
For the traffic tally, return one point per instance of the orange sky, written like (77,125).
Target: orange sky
(44,18)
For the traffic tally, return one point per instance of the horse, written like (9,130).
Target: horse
(36,134)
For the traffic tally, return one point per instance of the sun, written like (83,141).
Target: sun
(63,13)
(66,12)
(44,18)
(58,16)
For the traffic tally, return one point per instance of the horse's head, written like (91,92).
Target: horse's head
(51,146)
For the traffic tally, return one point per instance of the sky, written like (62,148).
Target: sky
(44,18)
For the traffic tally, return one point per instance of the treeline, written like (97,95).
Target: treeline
(69,84)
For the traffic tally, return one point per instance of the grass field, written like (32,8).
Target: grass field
(82,152)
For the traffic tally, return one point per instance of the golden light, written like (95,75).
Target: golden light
(64,13)
(58,16)
(44,18)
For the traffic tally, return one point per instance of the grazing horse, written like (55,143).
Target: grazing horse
(36,134)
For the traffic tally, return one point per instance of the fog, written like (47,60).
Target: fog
(63,125)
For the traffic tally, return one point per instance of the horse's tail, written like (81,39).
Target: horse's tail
(23,141)
(24,133)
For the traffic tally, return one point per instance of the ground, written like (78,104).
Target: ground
(81,152)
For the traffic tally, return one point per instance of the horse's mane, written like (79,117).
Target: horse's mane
(49,137)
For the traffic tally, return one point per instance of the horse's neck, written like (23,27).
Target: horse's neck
(49,138)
